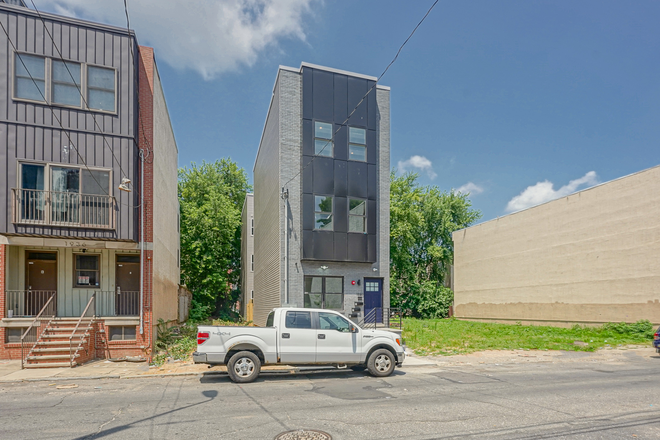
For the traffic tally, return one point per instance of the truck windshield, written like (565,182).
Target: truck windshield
(269,320)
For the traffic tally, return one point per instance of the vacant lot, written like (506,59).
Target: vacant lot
(453,336)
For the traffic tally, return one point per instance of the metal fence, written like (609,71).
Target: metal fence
(28,303)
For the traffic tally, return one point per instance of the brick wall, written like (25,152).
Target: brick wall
(3,252)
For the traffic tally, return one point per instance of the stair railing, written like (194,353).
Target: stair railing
(32,335)
(382,317)
(90,311)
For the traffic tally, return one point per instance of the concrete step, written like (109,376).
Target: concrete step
(50,357)
(50,365)
(65,335)
(53,343)
(55,349)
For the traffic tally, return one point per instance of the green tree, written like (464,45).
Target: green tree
(211,198)
(422,219)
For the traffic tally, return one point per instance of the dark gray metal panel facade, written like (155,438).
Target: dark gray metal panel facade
(330,97)
(31,130)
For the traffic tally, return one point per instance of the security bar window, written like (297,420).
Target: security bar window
(357,144)
(24,86)
(323,213)
(323,139)
(324,292)
(252,263)
(101,88)
(357,215)
(66,83)
(87,271)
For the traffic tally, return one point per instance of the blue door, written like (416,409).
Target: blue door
(373,299)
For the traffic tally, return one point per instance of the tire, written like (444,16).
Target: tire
(381,363)
(243,367)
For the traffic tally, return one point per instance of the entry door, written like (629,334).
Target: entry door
(373,298)
(41,278)
(335,341)
(127,282)
(297,338)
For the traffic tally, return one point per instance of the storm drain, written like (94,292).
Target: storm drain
(304,434)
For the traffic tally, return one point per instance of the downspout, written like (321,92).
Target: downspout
(142,160)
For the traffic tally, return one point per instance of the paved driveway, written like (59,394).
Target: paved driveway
(577,396)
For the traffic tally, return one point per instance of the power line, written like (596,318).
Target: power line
(105,141)
(332,139)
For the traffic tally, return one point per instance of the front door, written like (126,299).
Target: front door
(373,299)
(41,279)
(335,341)
(127,282)
(297,338)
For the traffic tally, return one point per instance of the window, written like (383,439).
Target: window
(330,321)
(66,83)
(270,319)
(122,333)
(252,263)
(357,215)
(101,88)
(324,292)
(323,213)
(24,87)
(87,271)
(252,226)
(251,294)
(298,320)
(13,335)
(357,144)
(323,139)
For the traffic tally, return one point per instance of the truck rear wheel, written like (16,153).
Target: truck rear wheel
(243,367)
(381,363)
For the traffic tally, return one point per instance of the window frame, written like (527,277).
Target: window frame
(51,83)
(323,292)
(75,270)
(357,144)
(331,141)
(87,66)
(18,53)
(331,213)
(123,334)
(364,216)
(48,174)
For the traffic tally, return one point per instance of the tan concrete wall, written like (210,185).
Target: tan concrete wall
(247,251)
(593,256)
(166,240)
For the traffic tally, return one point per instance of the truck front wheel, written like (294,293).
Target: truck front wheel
(381,363)
(243,367)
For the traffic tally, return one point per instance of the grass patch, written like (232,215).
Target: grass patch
(177,343)
(452,336)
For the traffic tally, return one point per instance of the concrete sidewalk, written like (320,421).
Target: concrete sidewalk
(10,371)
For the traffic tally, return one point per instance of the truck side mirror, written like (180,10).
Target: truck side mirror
(354,329)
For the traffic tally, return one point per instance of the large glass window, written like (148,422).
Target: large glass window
(323,213)
(323,139)
(100,88)
(324,292)
(298,320)
(357,215)
(66,83)
(357,144)
(87,271)
(26,87)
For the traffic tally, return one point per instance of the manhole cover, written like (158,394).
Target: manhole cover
(304,434)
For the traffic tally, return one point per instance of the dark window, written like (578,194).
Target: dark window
(251,226)
(298,320)
(128,258)
(252,263)
(270,319)
(87,271)
(324,292)
(50,256)
(323,139)
(122,333)
(331,321)
(357,215)
(66,83)
(32,176)
(101,88)
(13,335)
(30,77)
(357,144)
(323,213)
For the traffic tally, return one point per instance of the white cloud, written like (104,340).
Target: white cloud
(544,192)
(470,188)
(419,162)
(209,37)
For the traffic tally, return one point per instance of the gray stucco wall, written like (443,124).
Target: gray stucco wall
(31,131)
(166,210)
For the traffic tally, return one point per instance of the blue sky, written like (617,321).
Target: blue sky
(517,101)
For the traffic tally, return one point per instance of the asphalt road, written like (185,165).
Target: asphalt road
(550,400)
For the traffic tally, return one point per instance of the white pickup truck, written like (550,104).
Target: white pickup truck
(298,337)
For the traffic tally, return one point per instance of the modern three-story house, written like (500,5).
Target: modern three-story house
(321,194)
(89,240)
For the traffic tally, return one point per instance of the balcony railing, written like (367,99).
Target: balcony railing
(27,303)
(38,207)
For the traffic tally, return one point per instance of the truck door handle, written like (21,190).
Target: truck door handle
(321,336)
(285,336)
